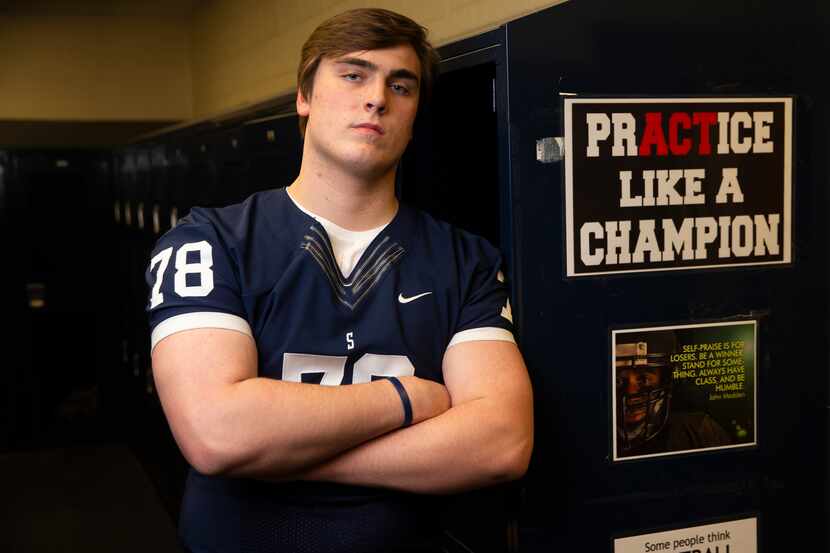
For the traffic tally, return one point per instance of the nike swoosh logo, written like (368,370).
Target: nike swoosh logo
(402,299)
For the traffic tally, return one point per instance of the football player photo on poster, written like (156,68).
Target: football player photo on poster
(682,389)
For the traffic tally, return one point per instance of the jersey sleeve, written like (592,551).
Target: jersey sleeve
(485,311)
(193,283)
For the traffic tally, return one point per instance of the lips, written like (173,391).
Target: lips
(635,407)
(370,127)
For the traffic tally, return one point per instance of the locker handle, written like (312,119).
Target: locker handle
(156,222)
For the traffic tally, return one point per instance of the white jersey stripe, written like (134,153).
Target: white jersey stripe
(190,321)
(485,333)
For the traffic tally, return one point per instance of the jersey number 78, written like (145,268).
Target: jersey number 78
(203,267)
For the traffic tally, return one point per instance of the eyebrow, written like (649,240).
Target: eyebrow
(394,74)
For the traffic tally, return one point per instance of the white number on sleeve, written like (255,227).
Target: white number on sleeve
(202,268)
(161,259)
(295,365)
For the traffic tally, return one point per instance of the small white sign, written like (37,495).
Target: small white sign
(734,536)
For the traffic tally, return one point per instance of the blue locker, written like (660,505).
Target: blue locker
(577,496)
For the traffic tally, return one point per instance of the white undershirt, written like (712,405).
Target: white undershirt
(348,245)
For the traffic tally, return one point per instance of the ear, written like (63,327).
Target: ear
(303,106)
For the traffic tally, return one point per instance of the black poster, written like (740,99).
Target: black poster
(654,184)
(684,388)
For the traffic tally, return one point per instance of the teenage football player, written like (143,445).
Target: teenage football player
(330,360)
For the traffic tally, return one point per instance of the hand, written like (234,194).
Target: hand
(429,399)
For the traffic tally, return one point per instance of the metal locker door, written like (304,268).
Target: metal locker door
(228,150)
(161,190)
(202,175)
(273,151)
(583,494)
(455,168)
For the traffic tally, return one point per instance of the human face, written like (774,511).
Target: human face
(361,110)
(635,385)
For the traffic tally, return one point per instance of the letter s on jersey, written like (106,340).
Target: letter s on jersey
(203,268)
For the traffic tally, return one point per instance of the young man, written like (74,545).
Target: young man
(649,421)
(328,359)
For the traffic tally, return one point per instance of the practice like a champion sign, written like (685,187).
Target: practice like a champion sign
(655,184)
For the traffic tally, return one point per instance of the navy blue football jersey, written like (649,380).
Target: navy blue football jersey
(266,268)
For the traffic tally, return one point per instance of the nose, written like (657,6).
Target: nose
(376,97)
(633,383)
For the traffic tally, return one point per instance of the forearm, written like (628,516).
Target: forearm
(472,445)
(270,428)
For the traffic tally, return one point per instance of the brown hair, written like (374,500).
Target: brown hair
(365,29)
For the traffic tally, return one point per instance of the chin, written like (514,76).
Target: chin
(370,166)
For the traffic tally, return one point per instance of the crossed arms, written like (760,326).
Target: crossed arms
(476,430)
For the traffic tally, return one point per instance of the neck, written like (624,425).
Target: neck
(350,201)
